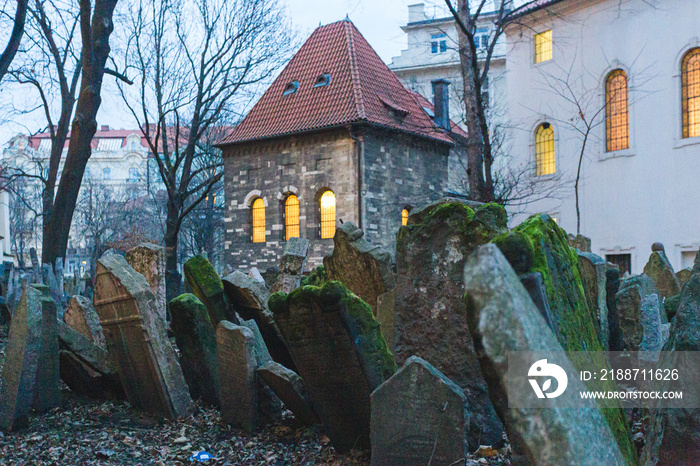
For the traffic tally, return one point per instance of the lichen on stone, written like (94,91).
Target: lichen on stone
(317,277)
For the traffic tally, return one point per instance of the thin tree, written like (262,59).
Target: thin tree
(197,64)
(15,37)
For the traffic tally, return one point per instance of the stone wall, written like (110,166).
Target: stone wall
(398,171)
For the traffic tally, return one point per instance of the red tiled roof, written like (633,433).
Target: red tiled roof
(122,134)
(362,89)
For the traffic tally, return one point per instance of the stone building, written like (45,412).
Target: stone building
(335,138)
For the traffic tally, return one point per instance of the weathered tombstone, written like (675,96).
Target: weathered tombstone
(81,316)
(661,272)
(673,435)
(149,260)
(385,316)
(419,417)
(196,341)
(683,275)
(36,269)
(502,318)
(270,275)
(652,335)
(51,282)
(534,285)
(21,361)
(206,285)
(429,318)
(340,354)
(628,331)
(255,274)
(612,286)
(95,357)
(580,242)
(288,386)
(238,389)
(671,306)
(47,390)
(363,268)
(137,340)
(593,270)
(269,405)
(291,265)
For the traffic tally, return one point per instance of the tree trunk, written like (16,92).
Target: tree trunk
(15,37)
(94,56)
(170,240)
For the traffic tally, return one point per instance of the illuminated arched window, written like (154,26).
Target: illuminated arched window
(291,217)
(327,215)
(617,130)
(258,216)
(544,149)
(690,90)
(404,217)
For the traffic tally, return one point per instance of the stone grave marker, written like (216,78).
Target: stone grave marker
(291,265)
(149,260)
(288,386)
(81,316)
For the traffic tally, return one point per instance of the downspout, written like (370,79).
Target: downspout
(360,146)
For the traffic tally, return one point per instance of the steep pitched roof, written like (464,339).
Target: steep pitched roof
(361,89)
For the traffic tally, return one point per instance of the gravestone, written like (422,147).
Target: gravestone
(238,389)
(660,270)
(149,260)
(419,417)
(593,270)
(291,265)
(269,405)
(385,316)
(683,275)
(429,318)
(363,268)
(81,316)
(51,282)
(288,386)
(340,354)
(652,334)
(47,390)
(19,372)
(196,341)
(502,319)
(206,285)
(612,286)
(255,274)
(137,340)
(249,298)
(534,285)
(580,242)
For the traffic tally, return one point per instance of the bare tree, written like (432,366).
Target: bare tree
(196,65)
(15,37)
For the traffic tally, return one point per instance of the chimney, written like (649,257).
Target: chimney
(416,13)
(104,128)
(441,103)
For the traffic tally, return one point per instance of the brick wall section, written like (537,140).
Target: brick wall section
(398,170)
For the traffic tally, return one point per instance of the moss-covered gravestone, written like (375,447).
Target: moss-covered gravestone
(429,311)
(660,270)
(196,341)
(149,260)
(137,340)
(207,286)
(593,270)
(541,244)
(292,265)
(340,354)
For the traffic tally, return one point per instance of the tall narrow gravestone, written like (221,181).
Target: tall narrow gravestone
(21,361)
(149,260)
(238,389)
(419,416)
(137,340)
(47,390)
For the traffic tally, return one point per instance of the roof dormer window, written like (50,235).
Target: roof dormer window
(323,80)
(291,88)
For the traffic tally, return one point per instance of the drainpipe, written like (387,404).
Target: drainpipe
(360,145)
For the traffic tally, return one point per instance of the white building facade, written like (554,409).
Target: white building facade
(626,73)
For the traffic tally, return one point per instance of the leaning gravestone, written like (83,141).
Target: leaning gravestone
(593,270)
(683,275)
(196,341)
(238,389)
(661,272)
(340,353)
(363,268)
(137,340)
(47,389)
(81,316)
(419,417)
(291,265)
(206,285)
(502,318)
(287,385)
(385,316)
(429,319)
(269,405)
(21,361)
(149,260)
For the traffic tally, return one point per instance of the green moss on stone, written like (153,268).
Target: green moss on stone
(317,277)
(277,303)
(207,286)
(671,305)
(518,249)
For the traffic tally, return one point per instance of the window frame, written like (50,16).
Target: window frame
(606,102)
(321,195)
(534,46)
(261,206)
(537,127)
(287,236)
(686,112)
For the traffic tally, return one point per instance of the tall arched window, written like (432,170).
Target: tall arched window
(544,149)
(258,218)
(690,90)
(617,130)
(404,217)
(291,217)
(327,215)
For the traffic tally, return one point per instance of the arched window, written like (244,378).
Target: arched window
(106,173)
(544,149)
(617,129)
(404,217)
(291,217)
(327,215)
(258,214)
(690,93)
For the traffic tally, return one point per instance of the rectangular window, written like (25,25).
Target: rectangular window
(543,46)
(688,259)
(623,262)
(443,46)
(438,43)
(434,47)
